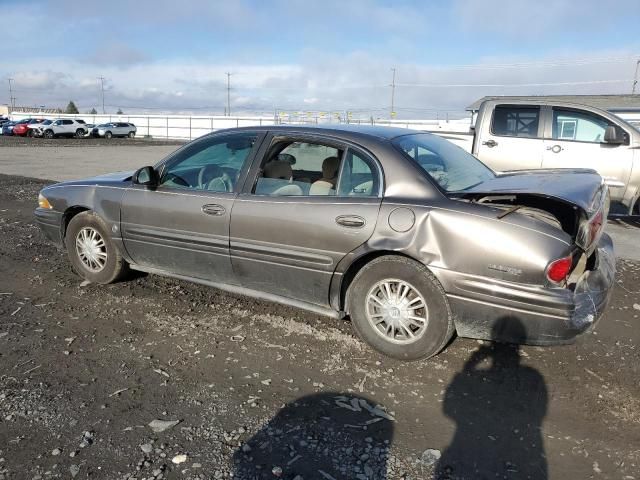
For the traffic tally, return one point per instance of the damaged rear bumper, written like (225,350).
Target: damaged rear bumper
(497,310)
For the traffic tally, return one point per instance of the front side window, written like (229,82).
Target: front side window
(449,165)
(515,121)
(578,125)
(211,164)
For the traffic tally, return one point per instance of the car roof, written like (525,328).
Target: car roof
(343,130)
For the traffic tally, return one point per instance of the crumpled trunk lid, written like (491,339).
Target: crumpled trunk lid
(578,198)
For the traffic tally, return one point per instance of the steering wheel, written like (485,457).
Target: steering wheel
(212,177)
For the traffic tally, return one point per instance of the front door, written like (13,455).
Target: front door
(311,202)
(182,226)
(512,140)
(577,141)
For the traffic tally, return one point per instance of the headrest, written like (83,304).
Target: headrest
(330,167)
(278,169)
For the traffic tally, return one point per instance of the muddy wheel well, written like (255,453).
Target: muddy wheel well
(355,267)
(69,214)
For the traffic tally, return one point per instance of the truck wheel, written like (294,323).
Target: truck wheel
(79,133)
(92,253)
(399,308)
(108,135)
(48,134)
(132,134)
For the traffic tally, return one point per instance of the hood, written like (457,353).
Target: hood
(579,187)
(108,179)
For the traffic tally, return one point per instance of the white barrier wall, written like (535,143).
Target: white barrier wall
(183,127)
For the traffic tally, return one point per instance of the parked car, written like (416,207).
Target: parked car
(410,236)
(33,127)
(523,135)
(37,130)
(21,127)
(115,129)
(7,128)
(64,127)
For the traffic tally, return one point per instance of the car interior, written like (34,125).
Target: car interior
(294,168)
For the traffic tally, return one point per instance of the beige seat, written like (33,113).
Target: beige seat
(276,179)
(327,184)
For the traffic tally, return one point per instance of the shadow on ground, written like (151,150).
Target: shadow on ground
(498,406)
(325,435)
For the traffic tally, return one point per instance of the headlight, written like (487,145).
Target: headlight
(43,202)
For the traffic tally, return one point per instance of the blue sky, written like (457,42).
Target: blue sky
(320,55)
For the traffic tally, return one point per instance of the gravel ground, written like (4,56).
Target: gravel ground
(158,378)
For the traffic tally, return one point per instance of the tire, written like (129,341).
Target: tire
(30,133)
(105,268)
(48,134)
(132,134)
(429,335)
(79,133)
(108,135)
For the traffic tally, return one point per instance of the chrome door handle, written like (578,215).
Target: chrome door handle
(555,148)
(216,210)
(490,143)
(350,221)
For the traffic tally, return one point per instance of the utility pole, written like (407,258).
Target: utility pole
(12,99)
(102,90)
(393,92)
(635,78)
(228,74)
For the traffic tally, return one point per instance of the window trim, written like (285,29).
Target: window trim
(173,158)
(303,137)
(540,132)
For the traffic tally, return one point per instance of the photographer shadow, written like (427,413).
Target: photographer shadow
(498,406)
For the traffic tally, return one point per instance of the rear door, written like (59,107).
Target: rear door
(182,226)
(575,139)
(307,203)
(511,137)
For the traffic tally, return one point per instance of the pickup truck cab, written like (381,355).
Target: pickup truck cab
(526,135)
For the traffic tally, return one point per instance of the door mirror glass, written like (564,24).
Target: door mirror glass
(146,176)
(613,135)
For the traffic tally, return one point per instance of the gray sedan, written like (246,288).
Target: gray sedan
(405,233)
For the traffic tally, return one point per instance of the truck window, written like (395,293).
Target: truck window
(578,125)
(515,121)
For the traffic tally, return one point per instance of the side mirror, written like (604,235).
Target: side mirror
(146,176)
(613,135)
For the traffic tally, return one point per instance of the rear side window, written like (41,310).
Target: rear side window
(515,121)
(67,122)
(358,177)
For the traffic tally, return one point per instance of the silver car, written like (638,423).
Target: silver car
(407,234)
(114,129)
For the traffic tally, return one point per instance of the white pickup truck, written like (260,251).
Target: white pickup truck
(525,135)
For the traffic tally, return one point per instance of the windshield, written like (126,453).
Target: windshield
(449,165)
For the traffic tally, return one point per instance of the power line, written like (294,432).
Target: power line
(102,90)
(549,63)
(454,85)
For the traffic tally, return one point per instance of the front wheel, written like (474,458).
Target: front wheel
(132,134)
(399,308)
(92,253)
(108,135)
(48,134)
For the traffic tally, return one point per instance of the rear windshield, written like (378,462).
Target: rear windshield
(449,165)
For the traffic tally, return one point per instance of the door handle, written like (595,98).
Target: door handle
(216,210)
(490,143)
(555,148)
(350,221)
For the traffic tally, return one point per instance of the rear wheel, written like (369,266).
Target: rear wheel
(400,309)
(132,134)
(30,133)
(92,253)
(108,135)
(48,134)
(79,133)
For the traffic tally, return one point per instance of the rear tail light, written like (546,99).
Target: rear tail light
(559,270)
